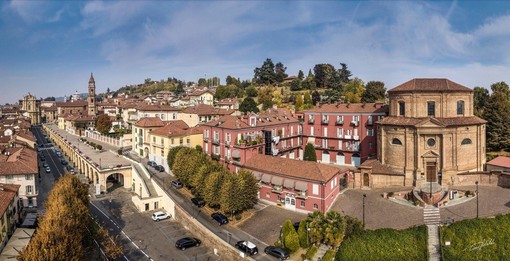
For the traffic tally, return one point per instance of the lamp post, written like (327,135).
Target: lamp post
(307,235)
(364,196)
(477,196)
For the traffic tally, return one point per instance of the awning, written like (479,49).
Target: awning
(301,186)
(277,181)
(288,183)
(266,178)
(236,154)
(257,175)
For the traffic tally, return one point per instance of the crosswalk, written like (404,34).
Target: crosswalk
(431,215)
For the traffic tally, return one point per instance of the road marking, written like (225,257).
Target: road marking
(121,231)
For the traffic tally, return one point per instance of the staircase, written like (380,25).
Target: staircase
(431,215)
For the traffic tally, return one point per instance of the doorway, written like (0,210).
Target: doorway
(366,180)
(431,172)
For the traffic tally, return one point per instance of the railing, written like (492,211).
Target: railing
(355,123)
(347,137)
(277,189)
(301,194)
(355,137)
(159,145)
(325,122)
(216,141)
(311,121)
(215,156)
(206,139)
(339,122)
(227,143)
(370,123)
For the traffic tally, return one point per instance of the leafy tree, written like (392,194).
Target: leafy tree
(248,105)
(248,188)
(325,75)
(233,81)
(107,90)
(230,199)
(188,164)
(308,99)
(299,104)
(265,74)
(228,91)
(310,153)
(180,89)
(303,234)
(295,85)
(300,75)
(374,91)
(280,74)
(251,91)
(266,97)
(309,82)
(198,148)
(497,114)
(344,74)
(316,97)
(170,158)
(213,186)
(480,97)
(202,82)
(290,236)
(353,90)
(277,98)
(198,180)
(334,228)
(353,227)
(315,222)
(103,124)
(332,96)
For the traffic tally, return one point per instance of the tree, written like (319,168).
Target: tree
(248,105)
(107,90)
(103,124)
(300,75)
(248,189)
(344,74)
(213,186)
(266,97)
(334,228)
(325,75)
(315,222)
(299,105)
(265,74)
(497,114)
(280,74)
(188,164)
(180,89)
(202,82)
(374,91)
(251,91)
(170,158)
(198,180)
(316,97)
(277,98)
(228,91)
(332,95)
(233,81)
(310,153)
(303,234)
(480,97)
(290,236)
(295,85)
(309,82)
(308,100)
(230,197)
(353,90)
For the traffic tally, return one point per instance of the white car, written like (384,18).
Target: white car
(160,215)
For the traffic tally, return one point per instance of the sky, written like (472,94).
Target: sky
(49,48)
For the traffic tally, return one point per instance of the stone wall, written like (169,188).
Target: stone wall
(501,179)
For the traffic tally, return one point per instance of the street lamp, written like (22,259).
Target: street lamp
(364,196)
(307,235)
(477,196)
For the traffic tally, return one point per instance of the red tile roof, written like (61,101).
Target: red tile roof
(7,194)
(21,161)
(266,118)
(430,85)
(291,168)
(150,122)
(204,109)
(446,122)
(500,161)
(176,129)
(350,108)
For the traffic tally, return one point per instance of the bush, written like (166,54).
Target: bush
(390,194)
(329,256)
(292,242)
(99,146)
(303,235)
(311,252)
(119,151)
(468,193)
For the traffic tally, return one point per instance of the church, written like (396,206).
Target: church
(430,135)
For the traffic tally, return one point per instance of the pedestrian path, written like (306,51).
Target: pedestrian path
(431,215)
(320,252)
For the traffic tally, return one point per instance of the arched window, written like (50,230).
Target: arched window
(460,107)
(466,141)
(396,141)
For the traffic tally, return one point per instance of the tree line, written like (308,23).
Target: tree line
(208,179)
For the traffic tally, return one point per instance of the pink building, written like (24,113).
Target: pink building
(235,139)
(295,184)
(343,133)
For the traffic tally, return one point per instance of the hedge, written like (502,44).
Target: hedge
(310,253)
(329,256)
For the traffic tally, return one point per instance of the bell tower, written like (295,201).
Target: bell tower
(92,96)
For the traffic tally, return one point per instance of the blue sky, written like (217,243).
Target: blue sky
(49,48)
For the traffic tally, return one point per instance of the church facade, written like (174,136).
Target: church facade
(429,135)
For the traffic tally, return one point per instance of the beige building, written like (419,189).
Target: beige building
(32,108)
(430,135)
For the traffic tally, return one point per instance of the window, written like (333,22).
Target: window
(431,142)
(370,132)
(172,141)
(396,141)
(431,108)
(460,107)
(302,203)
(370,145)
(340,132)
(29,189)
(315,189)
(268,195)
(180,141)
(401,108)
(315,206)
(162,141)
(187,140)
(29,176)
(162,153)
(9,177)
(340,145)
(466,141)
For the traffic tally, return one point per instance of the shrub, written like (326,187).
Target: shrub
(390,194)
(99,146)
(311,252)
(292,242)
(329,256)
(119,151)
(303,235)
(467,193)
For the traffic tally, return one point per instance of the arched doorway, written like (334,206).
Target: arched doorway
(366,180)
(114,181)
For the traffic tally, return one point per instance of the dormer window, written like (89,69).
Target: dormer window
(253,121)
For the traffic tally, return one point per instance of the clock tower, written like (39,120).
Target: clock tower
(92,96)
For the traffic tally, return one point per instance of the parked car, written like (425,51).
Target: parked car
(220,218)
(198,202)
(159,168)
(247,247)
(187,242)
(59,154)
(176,184)
(63,161)
(70,169)
(277,252)
(42,158)
(45,165)
(48,170)
(160,215)
(152,163)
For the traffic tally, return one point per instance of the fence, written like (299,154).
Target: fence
(124,141)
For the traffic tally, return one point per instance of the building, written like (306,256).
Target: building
(10,210)
(141,130)
(173,134)
(235,139)
(19,166)
(500,163)
(202,113)
(91,99)
(297,185)
(430,135)
(32,108)
(85,109)
(343,133)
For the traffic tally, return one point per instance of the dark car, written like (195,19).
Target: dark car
(220,218)
(176,184)
(187,242)
(277,252)
(45,165)
(247,247)
(63,161)
(159,168)
(42,158)
(296,225)
(152,163)
(70,169)
(198,202)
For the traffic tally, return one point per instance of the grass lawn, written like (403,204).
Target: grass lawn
(477,239)
(386,244)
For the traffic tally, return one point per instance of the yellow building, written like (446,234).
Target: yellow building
(9,211)
(175,133)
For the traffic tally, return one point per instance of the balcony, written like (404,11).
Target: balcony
(227,143)
(216,141)
(215,156)
(227,159)
(347,137)
(158,145)
(355,123)
(325,122)
(311,121)
(355,137)
(277,189)
(339,122)
(206,139)
(370,123)
(301,194)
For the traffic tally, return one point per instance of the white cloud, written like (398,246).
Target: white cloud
(103,17)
